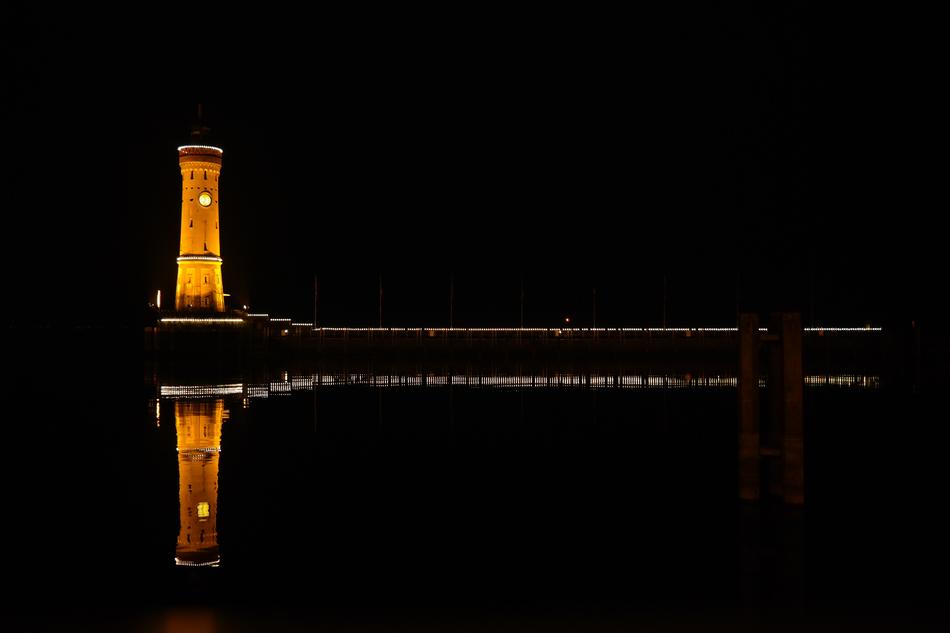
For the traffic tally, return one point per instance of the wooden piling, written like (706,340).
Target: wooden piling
(776,441)
(792,386)
(772,428)
(748,407)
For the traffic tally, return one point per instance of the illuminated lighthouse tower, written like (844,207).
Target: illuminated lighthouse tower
(199,284)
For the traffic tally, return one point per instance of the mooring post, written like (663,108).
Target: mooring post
(748,407)
(772,428)
(792,438)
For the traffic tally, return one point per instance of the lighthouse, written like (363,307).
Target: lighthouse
(199,286)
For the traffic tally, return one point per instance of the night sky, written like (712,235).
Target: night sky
(735,154)
(723,158)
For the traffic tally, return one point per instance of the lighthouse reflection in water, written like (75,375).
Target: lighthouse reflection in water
(198,427)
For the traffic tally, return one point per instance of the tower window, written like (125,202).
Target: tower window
(206,175)
(191,224)
(192,174)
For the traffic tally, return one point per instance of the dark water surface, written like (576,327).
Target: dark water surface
(585,506)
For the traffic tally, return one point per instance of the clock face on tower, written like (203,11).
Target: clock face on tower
(204,199)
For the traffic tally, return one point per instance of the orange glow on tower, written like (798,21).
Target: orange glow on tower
(199,284)
(198,425)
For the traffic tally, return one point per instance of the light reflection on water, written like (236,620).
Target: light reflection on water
(201,410)
(198,429)
(289,384)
